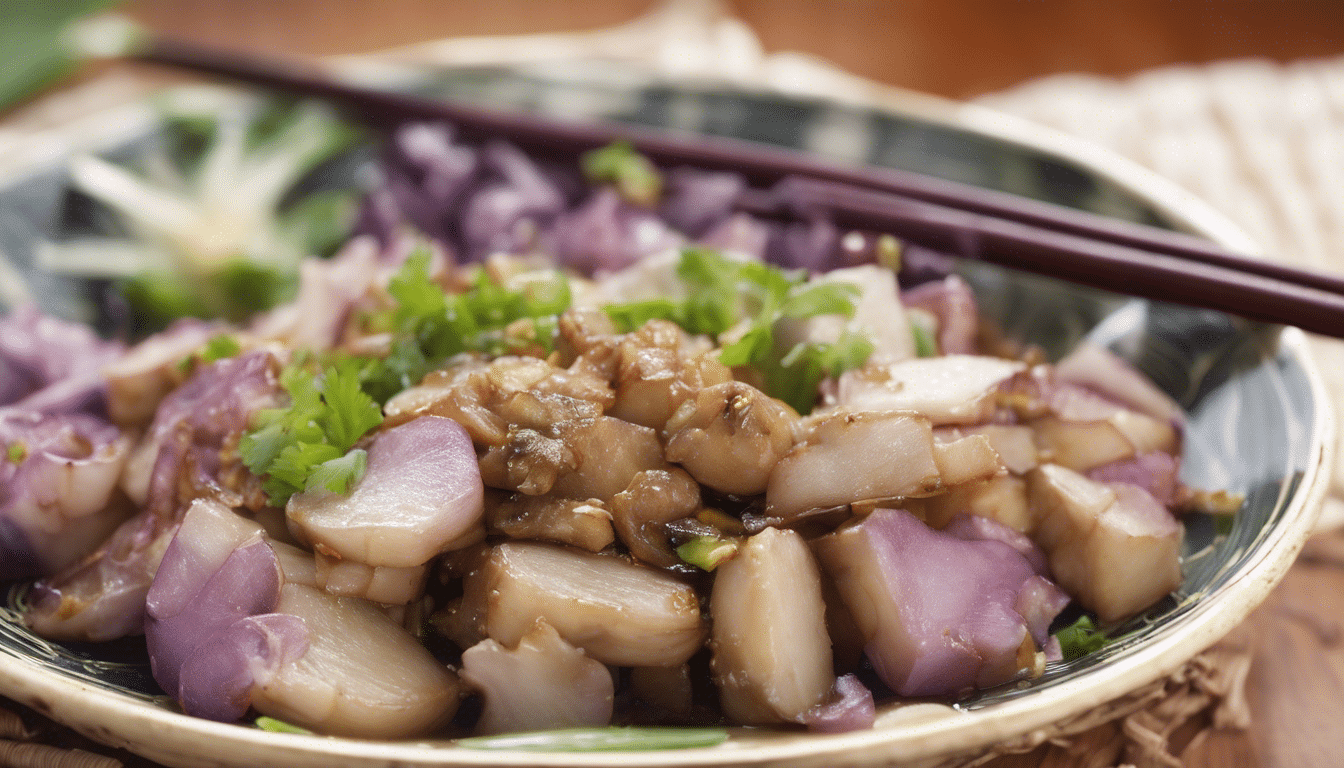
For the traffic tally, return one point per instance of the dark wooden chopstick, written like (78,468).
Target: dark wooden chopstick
(1110,266)
(965,220)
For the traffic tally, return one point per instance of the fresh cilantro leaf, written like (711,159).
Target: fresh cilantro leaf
(633,175)
(340,474)
(308,444)
(1081,638)
(754,346)
(821,299)
(629,317)
(429,326)
(350,412)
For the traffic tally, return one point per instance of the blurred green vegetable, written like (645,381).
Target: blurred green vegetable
(33,50)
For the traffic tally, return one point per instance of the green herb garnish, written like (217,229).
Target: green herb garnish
(279,726)
(16,452)
(429,326)
(633,175)
(751,298)
(1081,638)
(308,444)
(612,739)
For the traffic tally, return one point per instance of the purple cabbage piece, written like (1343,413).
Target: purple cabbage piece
(55,500)
(696,200)
(606,234)
(813,245)
(511,208)
(51,365)
(939,611)
(850,708)
(427,177)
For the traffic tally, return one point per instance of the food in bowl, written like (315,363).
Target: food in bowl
(583,450)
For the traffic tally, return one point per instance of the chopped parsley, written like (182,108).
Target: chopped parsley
(750,298)
(16,452)
(310,444)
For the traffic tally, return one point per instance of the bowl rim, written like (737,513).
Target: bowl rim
(919,734)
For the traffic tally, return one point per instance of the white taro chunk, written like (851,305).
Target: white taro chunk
(1111,546)
(617,612)
(421,492)
(541,684)
(955,389)
(878,314)
(362,675)
(772,656)
(855,456)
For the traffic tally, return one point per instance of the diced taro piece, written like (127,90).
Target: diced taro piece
(617,612)
(362,675)
(954,389)
(541,684)
(822,471)
(772,656)
(938,612)
(1114,547)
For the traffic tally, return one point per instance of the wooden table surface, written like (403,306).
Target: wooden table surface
(957,48)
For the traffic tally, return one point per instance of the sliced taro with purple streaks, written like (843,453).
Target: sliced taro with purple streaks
(102,597)
(58,480)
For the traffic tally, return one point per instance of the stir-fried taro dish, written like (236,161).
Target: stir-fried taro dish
(549,446)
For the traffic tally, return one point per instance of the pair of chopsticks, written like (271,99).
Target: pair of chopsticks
(956,218)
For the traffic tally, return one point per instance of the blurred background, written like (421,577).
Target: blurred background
(954,48)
